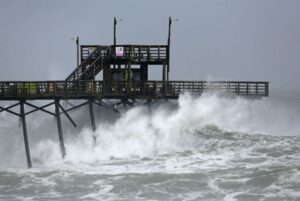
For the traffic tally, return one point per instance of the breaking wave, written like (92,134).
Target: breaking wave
(165,128)
(207,147)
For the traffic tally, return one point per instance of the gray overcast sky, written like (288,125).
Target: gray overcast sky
(213,39)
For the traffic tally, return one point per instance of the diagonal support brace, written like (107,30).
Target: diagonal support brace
(40,108)
(7,109)
(67,115)
(102,104)
(77,106)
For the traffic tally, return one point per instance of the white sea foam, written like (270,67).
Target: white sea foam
(139,133)
(212,142)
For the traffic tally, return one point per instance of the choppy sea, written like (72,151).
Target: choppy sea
(200,148)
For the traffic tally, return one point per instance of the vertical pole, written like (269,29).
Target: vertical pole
(25,134)
(60,133)
(169,43)
(115,37)
(92,115)
(92,119)
(149,106)
(164,79)
(129,77)
(77,47)
(115,26)
(77,44)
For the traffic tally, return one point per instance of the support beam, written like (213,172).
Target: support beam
(103,104)
(76,107)
(22,110)
(39,108)
(67,115)
(8,109)
(125,103)
(119,103)
(164,79)
(92,119)
(149,104)
(14,105)
(60,133)
(130,103)
(91,106)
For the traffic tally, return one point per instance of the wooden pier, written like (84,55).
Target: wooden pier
(124,70)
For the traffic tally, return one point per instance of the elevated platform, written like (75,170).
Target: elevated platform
(95,58)
(135,54)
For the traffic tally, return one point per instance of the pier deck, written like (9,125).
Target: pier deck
(34,90)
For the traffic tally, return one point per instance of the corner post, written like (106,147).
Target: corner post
(22,110)
(59,127)
(164,79)
(129,70)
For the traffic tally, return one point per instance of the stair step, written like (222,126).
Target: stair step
(90,67)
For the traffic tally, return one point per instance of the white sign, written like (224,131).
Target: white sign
(91,50)
(119,51)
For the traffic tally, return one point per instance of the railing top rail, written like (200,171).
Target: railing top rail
(128,45)
(124,45)
(104,46)
(171,81)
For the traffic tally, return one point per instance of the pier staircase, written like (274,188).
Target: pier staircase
(91,66)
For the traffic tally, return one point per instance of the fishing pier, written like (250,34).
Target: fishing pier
(125,80)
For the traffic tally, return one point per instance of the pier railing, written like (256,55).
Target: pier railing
(151,54)
(122,89)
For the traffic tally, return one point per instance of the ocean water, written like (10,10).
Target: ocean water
(199,148)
